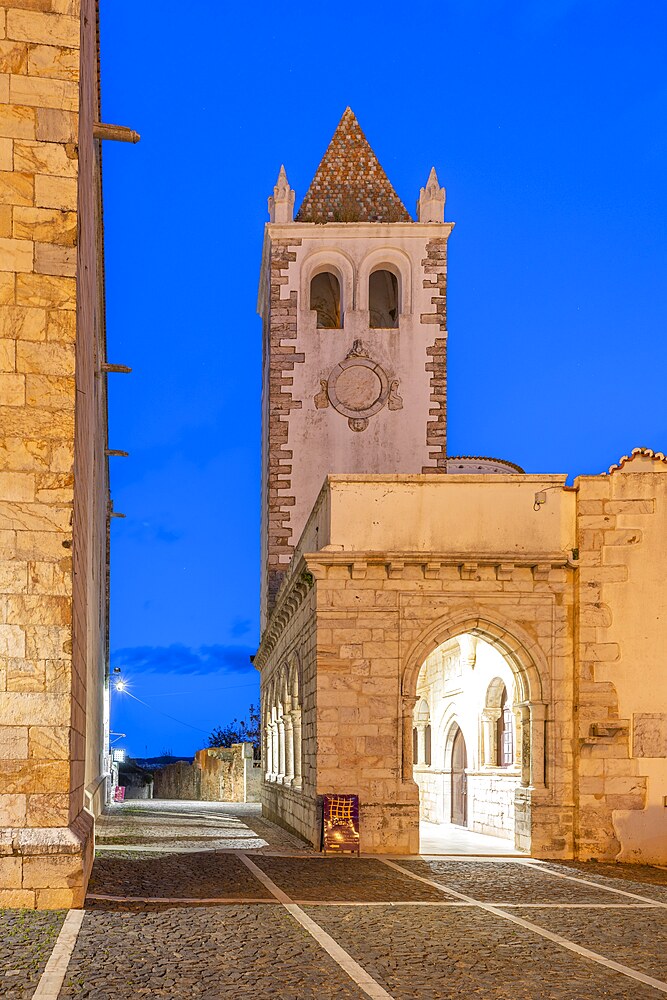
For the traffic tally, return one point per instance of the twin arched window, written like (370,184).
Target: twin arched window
(383,300)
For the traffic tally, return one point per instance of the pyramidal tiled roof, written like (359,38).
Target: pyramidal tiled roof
(349,184)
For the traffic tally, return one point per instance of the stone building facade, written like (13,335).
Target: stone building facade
(54,493)
(447,637)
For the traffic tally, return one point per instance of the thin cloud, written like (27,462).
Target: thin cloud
(179,659)
(240,626)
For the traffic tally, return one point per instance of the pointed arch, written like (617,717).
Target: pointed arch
(525,657)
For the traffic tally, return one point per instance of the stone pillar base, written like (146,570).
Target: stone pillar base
(47,868)
(542,828)
(389,828)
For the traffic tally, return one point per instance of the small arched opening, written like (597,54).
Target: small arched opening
(383,300)
(325,300)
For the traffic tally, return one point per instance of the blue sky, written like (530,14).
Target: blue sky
(546,121)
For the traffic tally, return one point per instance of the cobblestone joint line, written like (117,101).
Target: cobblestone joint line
(593,956)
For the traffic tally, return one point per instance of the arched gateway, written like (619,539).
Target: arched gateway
(482,683)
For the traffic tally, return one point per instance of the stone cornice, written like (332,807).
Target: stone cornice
(290,597)
(313,566)
(333,231)
(504,562)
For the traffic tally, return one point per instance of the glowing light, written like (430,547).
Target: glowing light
(120,686)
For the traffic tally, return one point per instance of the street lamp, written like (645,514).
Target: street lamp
(114,755)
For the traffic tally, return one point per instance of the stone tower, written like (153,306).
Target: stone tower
(353,301)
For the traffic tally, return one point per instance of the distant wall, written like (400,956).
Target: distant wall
(137,784)
(217,774)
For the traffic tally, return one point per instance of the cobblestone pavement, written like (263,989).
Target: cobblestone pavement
(164,824)
(204,875)
(212,953)
(507,882)
(441,953)
(27,938)
(344,880)
(612,933)
(303,927)
(645,880)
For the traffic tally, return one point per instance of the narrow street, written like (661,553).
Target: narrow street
(206,901)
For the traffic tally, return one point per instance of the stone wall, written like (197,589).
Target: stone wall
(492,799)
(621,641)
(216,775)
(53,470)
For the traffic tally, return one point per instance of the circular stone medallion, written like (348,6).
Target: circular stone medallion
(358,387)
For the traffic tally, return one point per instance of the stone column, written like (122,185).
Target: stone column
(280,725)
(525,744)
(274,750)
(518,748)
(407,708)
(296,732)
(289,748)
(268,751)
(538,714)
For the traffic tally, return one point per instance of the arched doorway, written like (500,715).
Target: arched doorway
(470,700)
(459,809)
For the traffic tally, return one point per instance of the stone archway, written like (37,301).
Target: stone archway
(530,672)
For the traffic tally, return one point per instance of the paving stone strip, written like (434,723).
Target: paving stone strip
(52,978)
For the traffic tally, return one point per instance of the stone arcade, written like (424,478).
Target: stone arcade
(445,636)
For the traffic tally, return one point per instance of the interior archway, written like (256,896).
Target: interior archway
(469,695)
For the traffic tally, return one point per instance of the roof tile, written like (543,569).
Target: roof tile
(349,184)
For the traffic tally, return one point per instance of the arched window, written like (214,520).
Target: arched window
(383,300)
(415,746)
(505,733)
(427,745)
(325,300)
